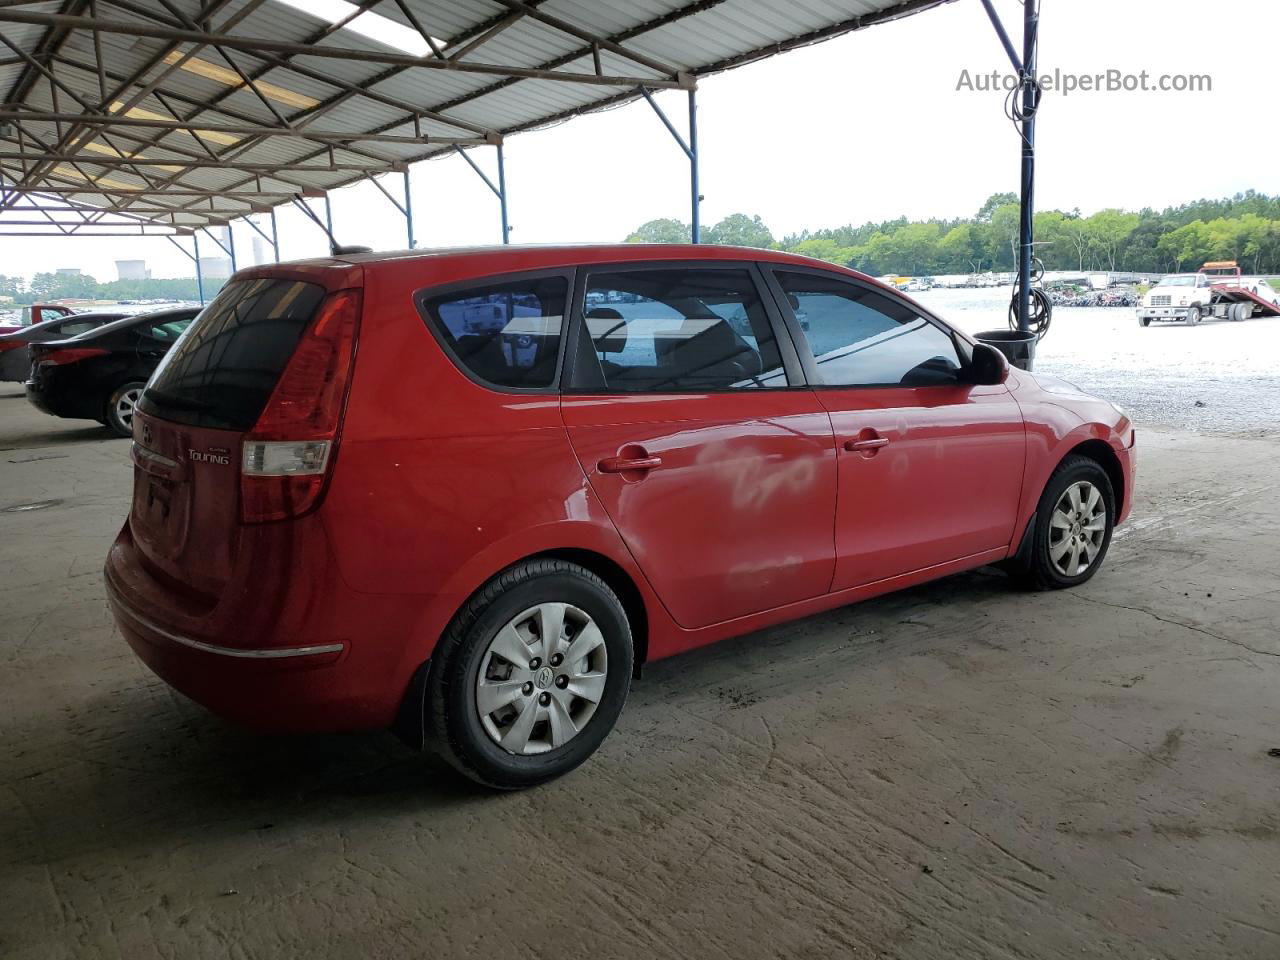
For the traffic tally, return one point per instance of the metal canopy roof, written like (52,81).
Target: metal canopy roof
(160,116)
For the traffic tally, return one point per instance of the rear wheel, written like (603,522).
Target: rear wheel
(1073,525)
(531,675)
(1193,316)
(1241,311)
(120,407)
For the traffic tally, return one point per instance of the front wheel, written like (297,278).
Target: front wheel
(1144,321)
(531,675)
(1193,316)
(120,407)
(1073,525)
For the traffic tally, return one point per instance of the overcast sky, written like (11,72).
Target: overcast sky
(868,126)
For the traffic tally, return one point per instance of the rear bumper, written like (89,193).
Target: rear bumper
(37,397)
(47,397)
(328,683)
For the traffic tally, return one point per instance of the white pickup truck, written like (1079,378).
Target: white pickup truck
(1221,293)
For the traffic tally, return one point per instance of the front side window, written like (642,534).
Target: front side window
(860,337)
(507,334)
(681,329)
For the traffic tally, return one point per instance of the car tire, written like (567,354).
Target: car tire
(1193,316)
(1144,321)
(1241,311)
(1046,564)
(119,409)
(535,698)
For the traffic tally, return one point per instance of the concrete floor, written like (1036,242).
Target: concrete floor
(958,771)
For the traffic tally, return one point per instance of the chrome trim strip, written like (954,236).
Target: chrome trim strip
(260,653)
(148,454)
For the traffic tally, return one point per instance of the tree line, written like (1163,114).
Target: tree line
(82,286)
(1245,228)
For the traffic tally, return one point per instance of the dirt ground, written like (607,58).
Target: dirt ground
(957,771)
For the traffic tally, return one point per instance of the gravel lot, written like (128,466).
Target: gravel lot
(1217,377)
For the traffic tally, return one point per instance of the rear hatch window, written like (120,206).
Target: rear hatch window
(221,372)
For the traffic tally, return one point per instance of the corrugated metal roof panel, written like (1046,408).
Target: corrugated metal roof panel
(361,92)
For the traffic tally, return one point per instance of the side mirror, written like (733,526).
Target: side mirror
(988,366)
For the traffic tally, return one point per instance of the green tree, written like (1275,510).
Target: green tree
(740,230)
(1001,236)
(1108,230)
(1076,239)
(15,287)
(1245,228)
(664,230)
(1261,239)
(994,203)
(915,248)
(824,248)
(956,251)
(1190,245)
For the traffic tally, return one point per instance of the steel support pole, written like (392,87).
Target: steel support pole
(502,196)
(1030,102)
(408,209)
(231,247)
(199,272)
(275,235)
(328,215)
(695,197)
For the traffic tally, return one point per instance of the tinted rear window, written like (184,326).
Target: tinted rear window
(504,333)
(222,370)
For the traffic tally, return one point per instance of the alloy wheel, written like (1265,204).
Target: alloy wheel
(125,405)
(541,678)
(1077,528)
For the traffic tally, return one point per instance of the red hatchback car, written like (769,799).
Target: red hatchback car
(467,493)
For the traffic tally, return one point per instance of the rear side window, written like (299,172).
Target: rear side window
(223,368)
(168,332)
(681,329)
(504,333)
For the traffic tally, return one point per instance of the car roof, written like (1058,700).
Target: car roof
(154,316)
(57,321)
(510,258)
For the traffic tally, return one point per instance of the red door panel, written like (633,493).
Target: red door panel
(926,475)
(725,500)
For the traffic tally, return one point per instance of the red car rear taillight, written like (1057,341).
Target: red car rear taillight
(288,452)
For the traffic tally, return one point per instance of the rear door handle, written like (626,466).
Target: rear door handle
(872,443)
(625,464)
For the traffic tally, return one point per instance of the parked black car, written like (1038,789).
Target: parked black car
(15,360)
(99,375)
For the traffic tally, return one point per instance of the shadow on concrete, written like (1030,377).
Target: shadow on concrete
(157,768)
(85,431)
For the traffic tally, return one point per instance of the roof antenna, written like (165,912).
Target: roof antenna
(335,248)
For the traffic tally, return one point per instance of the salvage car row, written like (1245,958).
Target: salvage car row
(91,366)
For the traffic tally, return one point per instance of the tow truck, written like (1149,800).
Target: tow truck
(1218,289)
